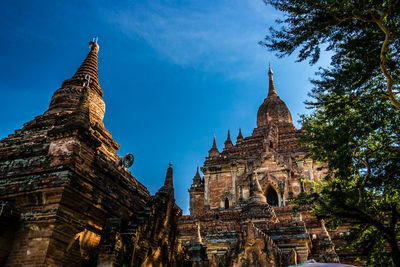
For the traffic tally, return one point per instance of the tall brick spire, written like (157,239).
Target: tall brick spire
(169,177)
(168,187)
(273,109)
(88,67)
(66,99)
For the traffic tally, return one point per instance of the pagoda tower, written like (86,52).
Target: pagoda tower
(66,195)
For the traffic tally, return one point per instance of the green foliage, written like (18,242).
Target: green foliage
(368,32)
(354,124)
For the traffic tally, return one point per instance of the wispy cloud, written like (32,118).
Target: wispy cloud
(210,35)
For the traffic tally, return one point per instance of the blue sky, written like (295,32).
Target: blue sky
(174,73)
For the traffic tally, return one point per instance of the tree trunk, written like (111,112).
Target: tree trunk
(395,251)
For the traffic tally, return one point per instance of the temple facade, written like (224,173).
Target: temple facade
(242,204)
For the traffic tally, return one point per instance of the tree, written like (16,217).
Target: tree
(354,124)
(368,31)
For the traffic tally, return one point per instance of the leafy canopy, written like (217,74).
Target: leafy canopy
(366,31)
(354,124)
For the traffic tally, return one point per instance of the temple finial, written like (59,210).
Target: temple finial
(66,99)
(196,178)
(87,69)
(240,136)
(228,142)
(271,88)
(270,72)
(93,45)
(213,152)
(169,176)
(257,186)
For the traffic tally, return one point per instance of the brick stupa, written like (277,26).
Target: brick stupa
(67,197)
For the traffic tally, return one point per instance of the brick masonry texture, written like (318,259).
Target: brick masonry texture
(65,199)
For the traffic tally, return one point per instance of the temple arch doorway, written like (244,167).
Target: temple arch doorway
(226,203)
(272,197)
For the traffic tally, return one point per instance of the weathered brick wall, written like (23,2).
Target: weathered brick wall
(65,189)
(221,188)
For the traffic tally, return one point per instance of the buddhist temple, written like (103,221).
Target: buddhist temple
(243,201)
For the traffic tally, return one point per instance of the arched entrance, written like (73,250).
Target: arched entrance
(272,197)
(226,203)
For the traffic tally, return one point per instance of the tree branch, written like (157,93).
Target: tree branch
(388,76)
(393,222)
(366,164)
(359,216)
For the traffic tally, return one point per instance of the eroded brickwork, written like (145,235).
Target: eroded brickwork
(66,197)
